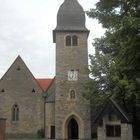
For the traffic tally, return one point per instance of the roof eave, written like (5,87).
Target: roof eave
(57,30)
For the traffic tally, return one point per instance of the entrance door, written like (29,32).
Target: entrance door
(73,129)
(52,132)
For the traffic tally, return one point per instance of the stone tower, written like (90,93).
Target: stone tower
(72,110)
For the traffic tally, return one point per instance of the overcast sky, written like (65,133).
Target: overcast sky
(26,30)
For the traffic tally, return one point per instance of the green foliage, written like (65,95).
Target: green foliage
(98,86)
(115,66)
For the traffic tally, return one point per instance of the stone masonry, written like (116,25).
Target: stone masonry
(16,87)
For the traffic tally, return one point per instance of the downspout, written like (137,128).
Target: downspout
(44,97)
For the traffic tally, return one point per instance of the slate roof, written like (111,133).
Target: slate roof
(112,106)
(70,17)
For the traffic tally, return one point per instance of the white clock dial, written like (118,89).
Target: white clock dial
(72,75)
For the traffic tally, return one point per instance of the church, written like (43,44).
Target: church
(55,107)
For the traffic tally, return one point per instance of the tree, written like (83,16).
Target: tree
(115,67)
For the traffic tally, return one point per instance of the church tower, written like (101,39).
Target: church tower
(72,110)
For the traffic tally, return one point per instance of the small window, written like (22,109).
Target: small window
(113,130)
(18,68)
(33,90)
(71,40)
(15,113)
(72,94)
(74,40)
(3,90)
(68,40)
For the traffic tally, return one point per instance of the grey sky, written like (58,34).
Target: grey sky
(26,30)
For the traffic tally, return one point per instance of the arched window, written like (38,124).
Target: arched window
(72,94)
(68,40)
(15,113)
(74,40)
(71,40)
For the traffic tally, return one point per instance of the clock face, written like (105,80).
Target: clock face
(72,75)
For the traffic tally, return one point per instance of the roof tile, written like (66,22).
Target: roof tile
(44,83)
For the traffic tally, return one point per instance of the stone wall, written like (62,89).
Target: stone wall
(50,113)
(100,133)
(19,87)
(67,58)
(126,133)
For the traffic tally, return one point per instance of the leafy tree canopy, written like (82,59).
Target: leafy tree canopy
(115,66)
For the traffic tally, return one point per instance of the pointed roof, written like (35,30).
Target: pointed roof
(18,61)
(70,17)
(112,106)
(19,72)
(45,83)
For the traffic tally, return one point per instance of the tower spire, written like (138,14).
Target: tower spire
(70,17)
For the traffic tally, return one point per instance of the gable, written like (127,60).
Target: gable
(18,78)
(112,107)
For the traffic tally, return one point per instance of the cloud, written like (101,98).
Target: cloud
(26,29)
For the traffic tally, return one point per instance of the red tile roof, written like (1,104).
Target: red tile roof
(44,83)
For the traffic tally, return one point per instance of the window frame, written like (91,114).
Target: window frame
(74,40)
(71,40)
(68,41)
(15,113)
(113,130)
